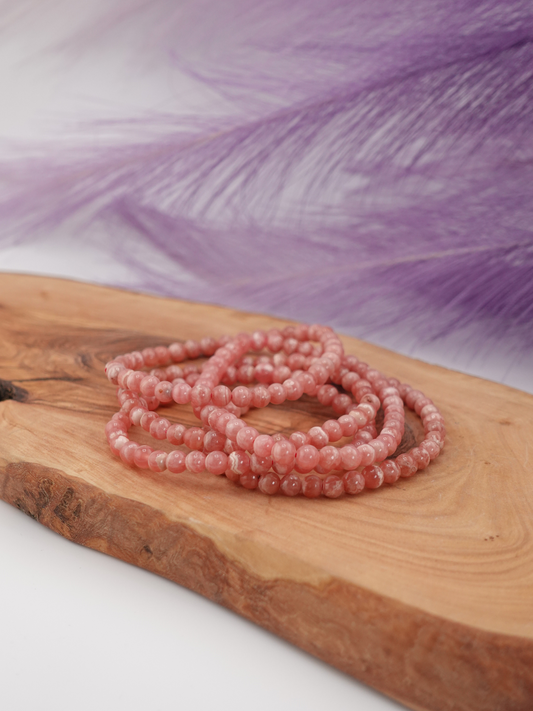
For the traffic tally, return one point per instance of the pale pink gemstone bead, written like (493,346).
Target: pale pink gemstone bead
(181,393)
(148,384)
(368,456)
(263,445)
(163,391)
(428,410)
(233,427)
(283,453)
(373,475)
(380,450)
(222,422)
(246,438)
(431,447)
(358,417)
(214,441)
(157,461)
(150,357)
(118,443)
(407,465)
(326,393)
(330,458)
(147,419)
(277,393)
(348,425)
(420,456)
(200,395)
(291,485)
(193,438)
(238,463)
(293,389)
(318,437)
(307,458)
(221,395)
(127,452)
(389,441)
(176,462)
(436,437)
(134,379)
(264,373)
(350,457)
(206,412)
(269,483)
(193,349)
(260,465)
(159,428)
(249,480)
(241,396)
(299,439)
(312,486)
(260,396)
(333,486)
(308,383)
(353,482)
(195,462)
(140,457)
(333,430)
(281,374)
(368,410)
(175,433)
(341,403)
(349,380)
(216,463)
(259,339)
(290,345)
(391,471)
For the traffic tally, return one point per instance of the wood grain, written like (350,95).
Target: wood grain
(423,590)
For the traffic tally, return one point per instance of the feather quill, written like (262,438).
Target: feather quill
(366,164)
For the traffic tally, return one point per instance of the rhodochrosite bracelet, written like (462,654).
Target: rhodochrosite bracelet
(270,367)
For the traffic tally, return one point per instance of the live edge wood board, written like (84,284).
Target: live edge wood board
(424,589)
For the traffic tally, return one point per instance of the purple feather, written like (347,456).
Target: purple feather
(375,167)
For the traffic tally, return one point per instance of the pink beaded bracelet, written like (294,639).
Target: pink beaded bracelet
(323,363)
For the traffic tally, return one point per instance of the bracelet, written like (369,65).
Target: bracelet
(221,446)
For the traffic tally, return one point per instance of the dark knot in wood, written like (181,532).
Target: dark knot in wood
(8,391)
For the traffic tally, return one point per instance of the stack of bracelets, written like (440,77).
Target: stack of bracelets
(305,359)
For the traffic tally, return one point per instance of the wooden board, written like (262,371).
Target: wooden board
(423,590)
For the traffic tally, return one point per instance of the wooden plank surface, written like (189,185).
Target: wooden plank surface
(423,590)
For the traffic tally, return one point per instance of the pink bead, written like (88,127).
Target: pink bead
(159,428)
(421,457)
(193,349)
(195,462)
(175,433)
(291,485)
(373,476)
(333,430)
(157,461)
(117,444)
(238,463)
(333,486)
(347,424)
(147,419)
(358,417)
(368,456)
(431,447)
(389,441)
(330,458)
(353,482)
(163,391)
(326,393)
(134,379)
(148,384)
(263,445)
(312,486)
(260,396)
(221,395)
(281,374)
(260,465)
(428,409)
(269,483)
(249,480)
(200,395)
(241,396)
(307,458)
(349,380)
(193,438)
(283,453)
(407,465)
(299,439)
(127,452)
(140,457)
(181,393)
(264,373)
(318,437)
(216,463)
(380,450)
(150,357)
(176,462)
(350,457)
(246,438)
(177,352)
(213,441)
(222,422)
(259,339)
(274,340)
(233,427)
(293,389)
(391,471)
(341,403)
(277,393)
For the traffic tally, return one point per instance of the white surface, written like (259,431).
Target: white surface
(83,631)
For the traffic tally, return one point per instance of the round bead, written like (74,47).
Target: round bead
(391,471)
(269,483)
(283,453)
(312,486)
(353,482)
(195,462)
(263,445)
(291,485)
(373,476)
(307,458)
(333,486)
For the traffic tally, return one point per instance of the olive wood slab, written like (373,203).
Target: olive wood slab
(423,590)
